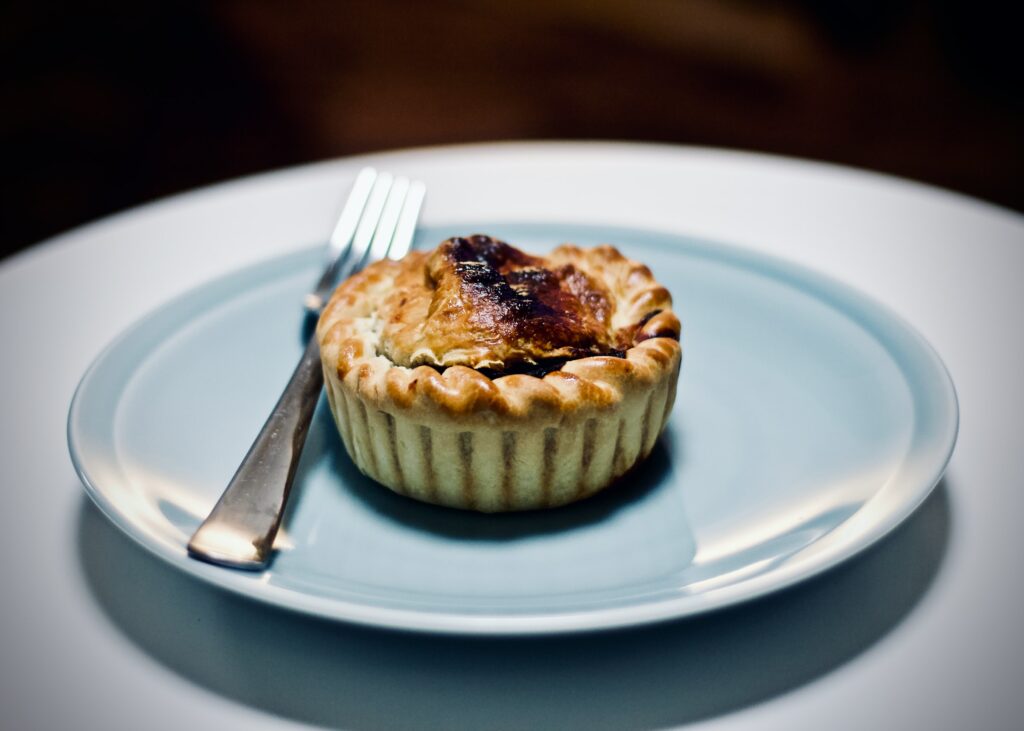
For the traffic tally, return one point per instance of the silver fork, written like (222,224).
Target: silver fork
(378,220)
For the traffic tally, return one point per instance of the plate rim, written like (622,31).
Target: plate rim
(496,624)
(892,181)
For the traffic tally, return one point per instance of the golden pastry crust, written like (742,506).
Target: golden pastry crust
(481,303)
(534,363)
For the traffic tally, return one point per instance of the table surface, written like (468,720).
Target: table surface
(920,631)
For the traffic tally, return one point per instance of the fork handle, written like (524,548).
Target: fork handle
(240,530)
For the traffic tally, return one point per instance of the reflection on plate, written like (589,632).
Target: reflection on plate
(809,422)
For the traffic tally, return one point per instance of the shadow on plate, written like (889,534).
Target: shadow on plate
(324,447)
(337,675)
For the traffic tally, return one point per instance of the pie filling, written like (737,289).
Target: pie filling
(481,303)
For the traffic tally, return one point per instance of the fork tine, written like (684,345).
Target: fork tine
(341,237)
(388,220)
(405,229)
(340,244)
(367,225)
(379,219)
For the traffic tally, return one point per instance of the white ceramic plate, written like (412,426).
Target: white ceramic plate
(810,421)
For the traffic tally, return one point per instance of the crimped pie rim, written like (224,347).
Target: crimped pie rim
(462,395)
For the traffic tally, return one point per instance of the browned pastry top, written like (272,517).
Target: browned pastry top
(477,330)
(479,302)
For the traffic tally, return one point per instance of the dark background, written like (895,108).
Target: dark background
(108,106)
